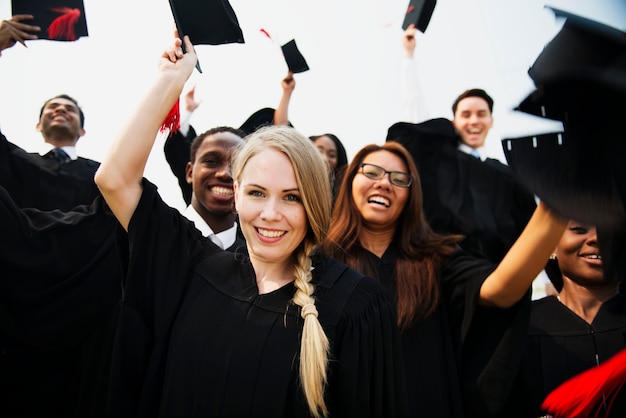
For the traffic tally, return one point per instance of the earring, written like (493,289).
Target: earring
(552,256)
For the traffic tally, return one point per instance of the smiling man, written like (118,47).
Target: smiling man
(57,178)
(472,120)
(212,199)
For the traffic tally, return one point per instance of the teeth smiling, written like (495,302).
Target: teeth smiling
(594,257)
(380,200)
(270,234)
(222,191)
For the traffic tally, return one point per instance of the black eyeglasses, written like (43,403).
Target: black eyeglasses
(397,178)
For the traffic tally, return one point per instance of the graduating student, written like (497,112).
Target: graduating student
(578,330)
(272,331)
(61,285)
(59,178)
(464,191)
(462,319)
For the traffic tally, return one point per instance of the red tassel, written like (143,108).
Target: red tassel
(62,28)
(585,394)
(266,33)
(172,120)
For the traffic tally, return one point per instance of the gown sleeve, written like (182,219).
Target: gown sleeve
(163,248)
(60,290)
(60,271)
(489,340)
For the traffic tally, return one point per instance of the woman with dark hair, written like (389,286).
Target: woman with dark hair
(335,155)
(582,327)
(463,320)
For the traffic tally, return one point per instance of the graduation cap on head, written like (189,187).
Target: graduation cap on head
(59,20)
(419,13)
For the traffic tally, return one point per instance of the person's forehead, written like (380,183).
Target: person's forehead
(222,140)
(326,142)
(61,101)
(472,102)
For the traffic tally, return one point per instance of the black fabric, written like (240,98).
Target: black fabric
(212,22)
(419,13)
(461,360)
(196,338)
(177,150)
(42,183)
(294,58)
(482,200)
(260,118)
(59,299)
(561,345)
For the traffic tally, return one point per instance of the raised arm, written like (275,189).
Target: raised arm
(281,114)
(527,257)
(119,177)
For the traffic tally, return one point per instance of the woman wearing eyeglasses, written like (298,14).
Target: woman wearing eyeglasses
(463,320)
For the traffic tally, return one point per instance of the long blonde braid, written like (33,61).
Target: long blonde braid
(314,344)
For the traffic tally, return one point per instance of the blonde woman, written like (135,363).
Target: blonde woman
(270,331)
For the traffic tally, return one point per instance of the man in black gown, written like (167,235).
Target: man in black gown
(465,193)
(60,291)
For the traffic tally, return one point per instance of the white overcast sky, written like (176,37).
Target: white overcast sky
(353,48)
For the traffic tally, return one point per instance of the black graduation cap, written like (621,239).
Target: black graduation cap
(583,49)
(581,81)
(294,58)
(59,20)
(260,118)
(419,13)
(211,22)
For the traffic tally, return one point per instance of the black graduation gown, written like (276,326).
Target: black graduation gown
(34,181)
(60,290)
(462,359)
(197,340)
(561,345)
(481,200)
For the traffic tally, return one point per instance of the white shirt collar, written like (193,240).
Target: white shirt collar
(227,237)
(69,150)
(468,150)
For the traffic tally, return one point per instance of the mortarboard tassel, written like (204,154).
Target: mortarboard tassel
(62,28)
(585,394)
(266,33)
(172,120)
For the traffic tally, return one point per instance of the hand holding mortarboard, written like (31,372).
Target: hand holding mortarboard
(419,13)
(12,31)
(61,20)
(211,22)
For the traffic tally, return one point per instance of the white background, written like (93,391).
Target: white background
(352,47)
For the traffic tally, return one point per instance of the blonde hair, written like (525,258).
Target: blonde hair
(311,174)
